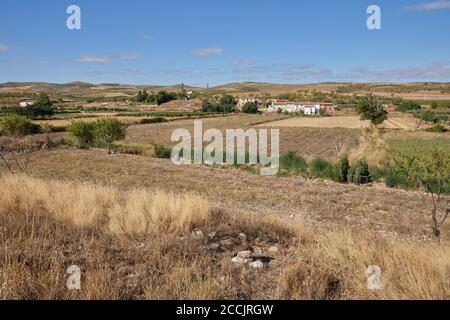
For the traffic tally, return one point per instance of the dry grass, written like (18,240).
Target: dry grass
(334,266)
(133,212)
(404,122)
(138,245)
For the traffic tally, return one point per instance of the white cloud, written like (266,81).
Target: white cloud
(429,6)
(207,52)
(242,62)
(129,57)
(438,71)
(92,59)
(3,47)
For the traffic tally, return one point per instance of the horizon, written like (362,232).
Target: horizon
(216,44)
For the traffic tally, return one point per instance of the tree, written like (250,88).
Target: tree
(227,100)
(18,126)
(358,172)
(250,107)
(83,131)
(342,169)
(41,107)
(431,173)
(15,149)
(109,130)
(370,108)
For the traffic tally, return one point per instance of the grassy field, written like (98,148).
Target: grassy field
(143,228)
(133,224)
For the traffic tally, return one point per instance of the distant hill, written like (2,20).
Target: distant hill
(82,91)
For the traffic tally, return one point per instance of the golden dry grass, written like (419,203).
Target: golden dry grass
(132,212)
(403,122)
(137,244)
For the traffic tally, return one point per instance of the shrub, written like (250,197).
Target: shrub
(291,161)
(211,107)
(18,126)
(359,172)
(84,132)
(408,106)
(342,167)
(394,179)
(250,107)
(321,168)
(377,173)
(153,120)
(163,152)
(109,130)
(437,128)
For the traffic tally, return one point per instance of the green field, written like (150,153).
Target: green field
(406,145)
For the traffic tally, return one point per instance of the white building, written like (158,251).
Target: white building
(242,101)
(26,103)
(307,109)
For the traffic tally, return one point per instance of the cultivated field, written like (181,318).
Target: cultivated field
(140,227)
(351,122)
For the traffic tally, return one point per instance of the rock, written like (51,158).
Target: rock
(240,261)
(226,242)
(214,246)
(258,264)
(242,237)
(212,235)
(244,254)
(257,250)
(198,234)
(273,250)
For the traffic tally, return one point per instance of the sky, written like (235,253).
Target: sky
(212,42)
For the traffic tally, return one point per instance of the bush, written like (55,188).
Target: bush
(378,173)
(396,180)
(342,168)
(438,128)
(408,106)
(153,120)
(291,161)
(109,130)
(250,107)
(359,172)
(84,132)
(163,152)
(18,126)
(211,107)
(321,168)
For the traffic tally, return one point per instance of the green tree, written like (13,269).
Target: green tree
(41,107)
(18,126)
(371,108)
(250,107)
(359,172)
(431,173)
(83,131)
(342,168)
(109,130)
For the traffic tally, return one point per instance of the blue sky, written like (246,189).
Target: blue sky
(199,42)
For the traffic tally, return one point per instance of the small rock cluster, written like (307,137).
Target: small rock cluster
(256,257)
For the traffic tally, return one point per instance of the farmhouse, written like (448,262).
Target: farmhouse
(307,109)
(26,103)
(242,101)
